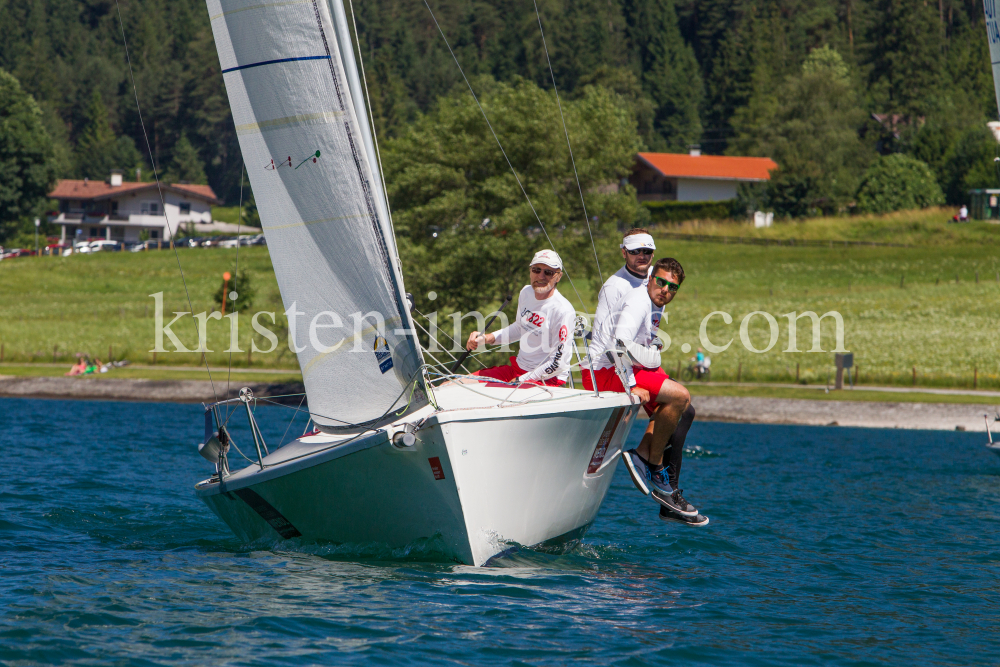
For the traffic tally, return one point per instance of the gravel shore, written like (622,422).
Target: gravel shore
(933,416)
(113,389)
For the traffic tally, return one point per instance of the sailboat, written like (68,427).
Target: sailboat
(396,458)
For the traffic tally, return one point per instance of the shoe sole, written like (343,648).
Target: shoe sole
(696,522)
(672,508)
(634,474)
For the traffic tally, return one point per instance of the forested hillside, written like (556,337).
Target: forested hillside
(796,80)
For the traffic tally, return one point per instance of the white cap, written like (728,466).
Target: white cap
(548,258)
(636,241)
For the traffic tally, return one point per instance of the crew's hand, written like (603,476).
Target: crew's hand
(477,339)
(641,394)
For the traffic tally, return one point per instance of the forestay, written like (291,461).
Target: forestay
(320,203)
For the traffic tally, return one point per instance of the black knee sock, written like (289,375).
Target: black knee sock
(674,453)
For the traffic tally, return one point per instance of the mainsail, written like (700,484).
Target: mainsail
(993,37)
(308,152)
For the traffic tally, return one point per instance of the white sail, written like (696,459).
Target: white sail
(311,166)
(993,37)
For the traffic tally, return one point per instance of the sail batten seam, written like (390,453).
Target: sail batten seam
(273,62)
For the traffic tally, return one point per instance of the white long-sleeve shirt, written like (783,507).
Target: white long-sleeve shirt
(633,318)
(614,288)
(543,329)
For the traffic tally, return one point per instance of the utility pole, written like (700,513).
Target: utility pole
(38,224)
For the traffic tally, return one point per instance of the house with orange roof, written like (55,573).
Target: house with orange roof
(695,177)
(120,210)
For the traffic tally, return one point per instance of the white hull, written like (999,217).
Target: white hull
(482,474)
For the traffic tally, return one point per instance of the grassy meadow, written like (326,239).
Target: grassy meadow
(903,307)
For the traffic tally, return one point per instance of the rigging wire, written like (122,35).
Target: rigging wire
(371,119)
(159,189)
(500,146)
(586,216)
(292,421)
(457,344)
(239,219)
(453,358)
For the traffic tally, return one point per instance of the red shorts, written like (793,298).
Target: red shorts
(510,373)
(649,379)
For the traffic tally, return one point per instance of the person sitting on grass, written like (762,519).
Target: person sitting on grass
(79,368)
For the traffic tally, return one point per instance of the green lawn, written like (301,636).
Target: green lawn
(941,321)
(926,227)
(226,214)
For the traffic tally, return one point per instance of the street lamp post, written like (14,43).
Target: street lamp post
(38,223)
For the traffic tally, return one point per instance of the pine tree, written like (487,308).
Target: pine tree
(185,165)
(810,127)
(95,141)
(905,52)
(668,70)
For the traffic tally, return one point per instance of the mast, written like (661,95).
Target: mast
(346,48)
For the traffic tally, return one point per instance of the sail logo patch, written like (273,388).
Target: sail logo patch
(382,354)
(287,162)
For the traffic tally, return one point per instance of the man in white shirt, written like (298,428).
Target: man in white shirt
(637,250)
(635,318)
(543,326)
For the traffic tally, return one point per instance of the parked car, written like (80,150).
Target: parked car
(105,246)
(16,252)
(214,241)
(258,240)
(189,242)
(230,242)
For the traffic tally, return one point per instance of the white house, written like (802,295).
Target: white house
(695,177)
(121,211)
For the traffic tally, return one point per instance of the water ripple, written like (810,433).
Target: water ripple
(826,546)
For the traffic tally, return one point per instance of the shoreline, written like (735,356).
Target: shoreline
(862,414)
(134,389)
(734,409)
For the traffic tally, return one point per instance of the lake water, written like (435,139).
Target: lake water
(826,546)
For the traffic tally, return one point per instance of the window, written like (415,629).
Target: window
(150,207)
(186,208)
(154,234)
(114,208)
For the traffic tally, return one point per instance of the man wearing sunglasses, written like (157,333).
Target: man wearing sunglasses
(543,325)
(635,318)
(637,250)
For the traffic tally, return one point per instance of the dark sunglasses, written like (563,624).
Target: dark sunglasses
(548,272)
(640,251)
(663,282)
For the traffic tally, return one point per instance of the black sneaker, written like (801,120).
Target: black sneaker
(637,470)
(696,521)
(675,503)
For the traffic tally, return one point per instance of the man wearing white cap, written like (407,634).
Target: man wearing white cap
(637,250)
(543,325)
(663,476)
